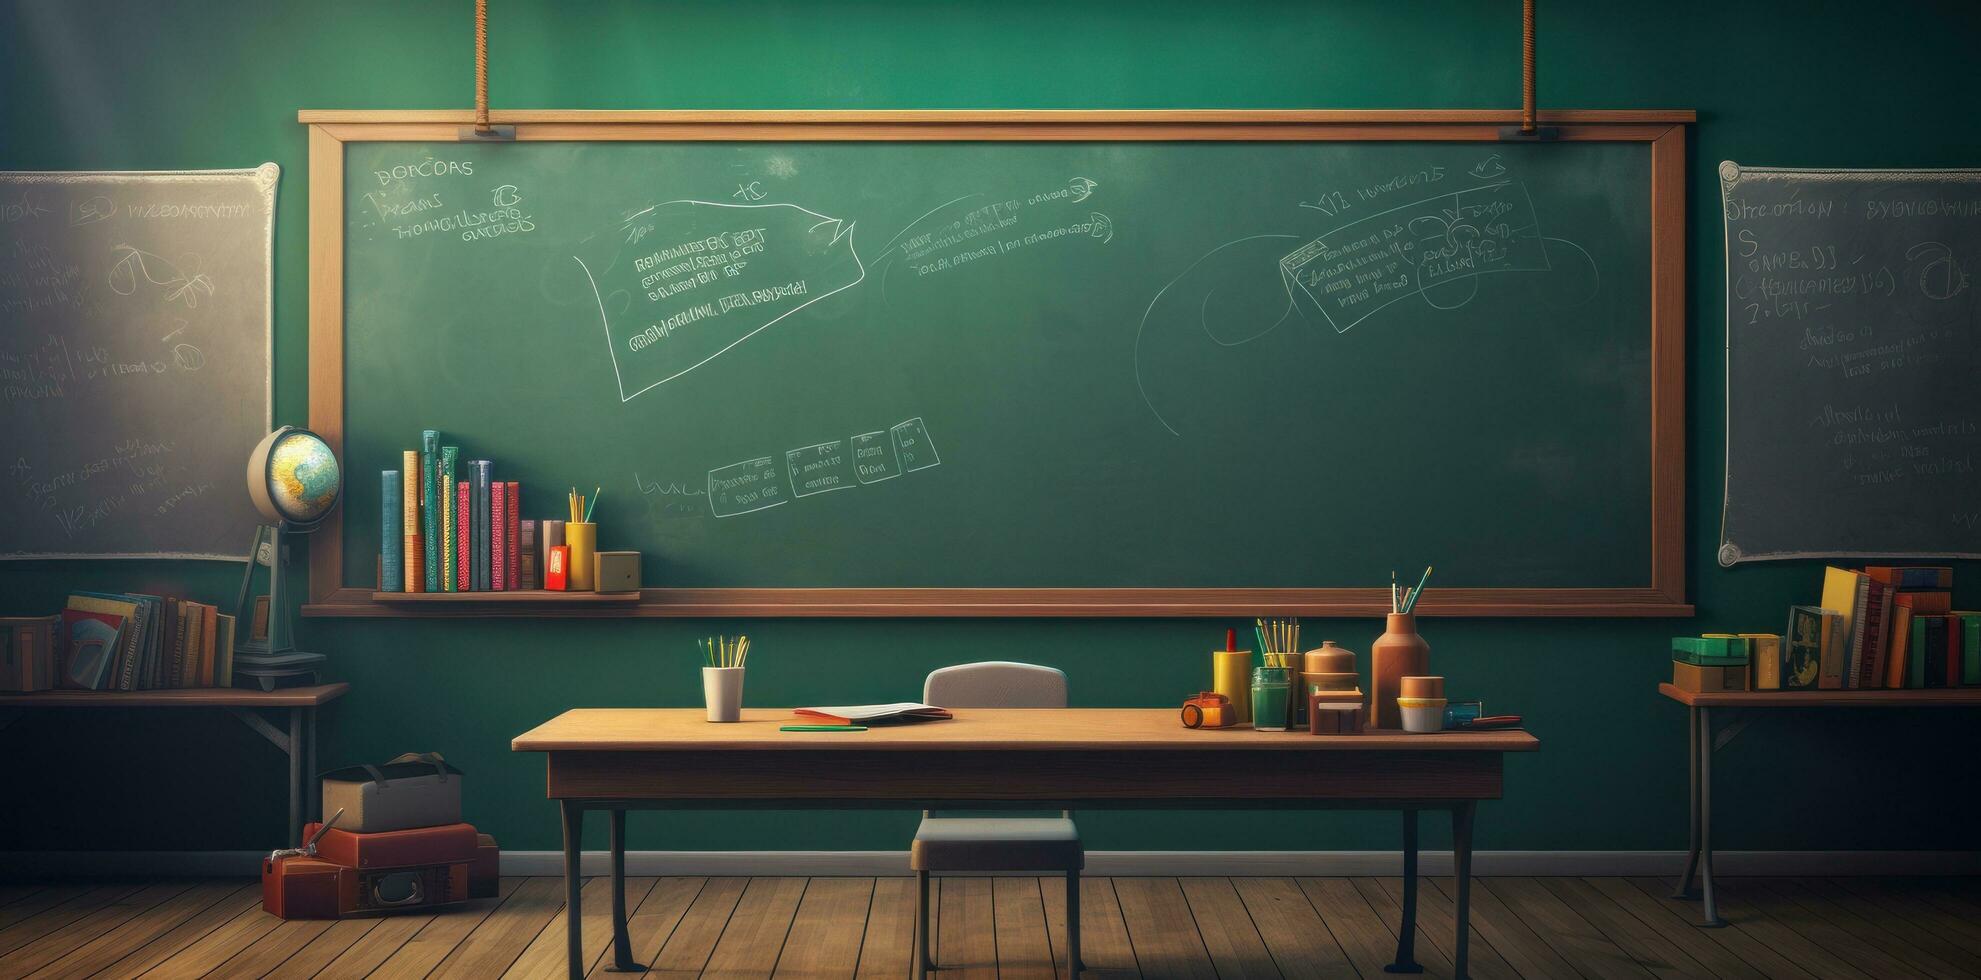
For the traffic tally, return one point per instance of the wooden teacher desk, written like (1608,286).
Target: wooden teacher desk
(617,759)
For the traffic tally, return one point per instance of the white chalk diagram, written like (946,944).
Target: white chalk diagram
(729,312)
(1357,269)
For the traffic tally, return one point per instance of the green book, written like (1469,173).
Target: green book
(1915,658)
(430,506)
(450,456)
(1970,648)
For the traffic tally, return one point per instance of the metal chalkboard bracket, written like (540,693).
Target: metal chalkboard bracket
(492,134)
(1539,134)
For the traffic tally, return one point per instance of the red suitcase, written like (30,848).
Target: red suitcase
(446,844)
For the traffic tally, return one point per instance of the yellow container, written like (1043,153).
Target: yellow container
(583,540)
(1231,676)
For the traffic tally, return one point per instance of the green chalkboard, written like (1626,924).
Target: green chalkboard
(1023,364)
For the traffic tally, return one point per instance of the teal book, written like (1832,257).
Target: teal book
(391,540)
(430,507)
(480,473)
(450,460)
(1970,648)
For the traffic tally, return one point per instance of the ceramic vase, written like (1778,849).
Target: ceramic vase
(1400,652)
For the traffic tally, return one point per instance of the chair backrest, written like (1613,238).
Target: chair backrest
(996,684)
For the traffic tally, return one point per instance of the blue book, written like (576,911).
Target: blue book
(391,540)
(483,473)
(430,506)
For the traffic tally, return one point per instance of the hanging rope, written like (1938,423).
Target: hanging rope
(1526,65)
(481,67)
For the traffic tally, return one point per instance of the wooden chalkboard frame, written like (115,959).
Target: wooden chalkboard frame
(1663,593)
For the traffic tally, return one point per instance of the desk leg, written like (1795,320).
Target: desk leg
(622,945)
(1684,889)
(574,941)
(1461,858)
(312,786)
(1704,733)
(1406,933)
(295,776)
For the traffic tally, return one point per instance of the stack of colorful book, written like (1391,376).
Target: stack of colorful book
(448,525)
(117,641)
(1883,626)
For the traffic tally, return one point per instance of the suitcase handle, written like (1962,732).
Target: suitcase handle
(432,758)
(413,897)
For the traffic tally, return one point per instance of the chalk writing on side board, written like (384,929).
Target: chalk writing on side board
(842,464)
(1853,420)
(686,281)
(134,360)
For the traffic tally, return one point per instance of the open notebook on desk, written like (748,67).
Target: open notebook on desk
(874,714)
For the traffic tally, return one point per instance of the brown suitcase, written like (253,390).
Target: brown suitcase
(485,876)
(297,887)
(412,790)
(395,848)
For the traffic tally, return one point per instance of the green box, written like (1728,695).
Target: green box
(1710,651)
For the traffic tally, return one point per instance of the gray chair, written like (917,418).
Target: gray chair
(976,844)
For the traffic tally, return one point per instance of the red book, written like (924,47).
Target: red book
(464,552)
(498,536)
(553,567)
(512,534)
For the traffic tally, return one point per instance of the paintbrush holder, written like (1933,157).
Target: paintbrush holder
(722,689)
(1400,652)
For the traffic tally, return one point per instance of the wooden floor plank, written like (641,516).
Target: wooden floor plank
(436,939)
(546,955)
(694,937)
(750,945)
(56,917)
(650,921)
(1577,939)
(1827,933)
(9,894)
(1437,919)
(134,932)
(496,941)
(327,946)
(58,942)
(206,954)
(1226,928)
(41,900)
(1660,916)
(1646,945)
(1952,929)
(1024,949)
(1161,929)
(884,950)
(1510,936)
(1753,944)
(273,949)
(379,943)
(1300,942)
(1435,961)
(966,928)
(171,942)
(1368,943)
(1104,945)
(825,936)
(1738,908)
(1920,949)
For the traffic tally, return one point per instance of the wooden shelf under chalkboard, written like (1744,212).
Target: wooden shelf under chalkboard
(521,596)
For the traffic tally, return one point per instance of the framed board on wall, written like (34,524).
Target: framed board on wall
(1025,363)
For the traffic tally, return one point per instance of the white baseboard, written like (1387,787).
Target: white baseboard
(67,864)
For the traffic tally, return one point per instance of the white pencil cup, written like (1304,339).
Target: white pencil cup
(722,688)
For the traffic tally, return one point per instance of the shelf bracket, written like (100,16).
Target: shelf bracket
(268,731)
(1728,733)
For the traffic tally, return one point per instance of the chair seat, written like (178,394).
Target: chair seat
(996,844)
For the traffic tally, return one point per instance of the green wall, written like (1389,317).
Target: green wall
(97,85)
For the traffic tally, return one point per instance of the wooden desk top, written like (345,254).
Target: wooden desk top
(193,697)
(1937,697)
(1019,729)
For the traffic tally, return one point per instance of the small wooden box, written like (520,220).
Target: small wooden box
(1702,680)
(616,571)
(1327,714)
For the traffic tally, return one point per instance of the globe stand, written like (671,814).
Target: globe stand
(272,661)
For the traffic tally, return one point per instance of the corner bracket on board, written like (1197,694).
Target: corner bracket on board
(491,135)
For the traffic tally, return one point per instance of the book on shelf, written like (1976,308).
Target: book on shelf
(94,628)
(1803,645)
(498,536)
(512,535)
(414,560)
(464,541)
(430,509)
(450,460)
(1912,577)
(526,553)
(1868,646)
(1765,653)
(481,473)
(1970,647)
(391,540)
(27,652)
(223,651)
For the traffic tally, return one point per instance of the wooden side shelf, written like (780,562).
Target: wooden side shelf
(522,596)
(188,697)
(1931,697)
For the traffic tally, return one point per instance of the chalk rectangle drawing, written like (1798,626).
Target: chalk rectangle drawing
(912,445)
(745,487)
(873,458)
(820,469)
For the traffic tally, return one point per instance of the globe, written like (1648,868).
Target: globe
(293,478)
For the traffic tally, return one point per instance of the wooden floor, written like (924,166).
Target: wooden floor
(1222,928)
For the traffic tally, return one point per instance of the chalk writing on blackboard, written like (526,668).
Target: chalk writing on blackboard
(976,227)
(685,281)
(842,464)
